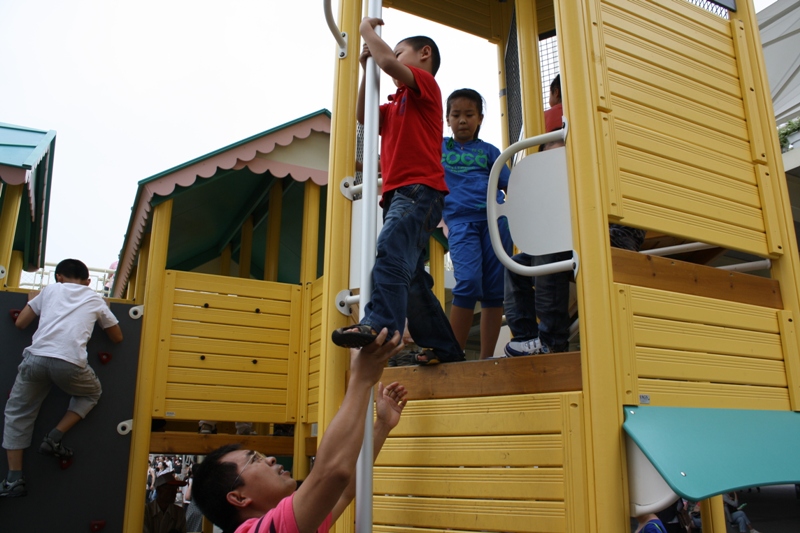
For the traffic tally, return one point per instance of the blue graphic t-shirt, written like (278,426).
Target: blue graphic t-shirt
(466,171)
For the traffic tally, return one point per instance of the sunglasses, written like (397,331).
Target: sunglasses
(254,458)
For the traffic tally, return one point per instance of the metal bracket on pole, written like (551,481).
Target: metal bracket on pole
(346,187)
(136,312)
(3,272)
(344,299)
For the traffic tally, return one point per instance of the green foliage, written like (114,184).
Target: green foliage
(786,130)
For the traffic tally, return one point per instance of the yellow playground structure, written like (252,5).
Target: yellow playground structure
(687,364)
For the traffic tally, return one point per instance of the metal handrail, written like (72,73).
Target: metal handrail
(491,208)
(340,36)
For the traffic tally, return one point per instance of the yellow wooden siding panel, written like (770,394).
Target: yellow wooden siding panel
(653,115)
(646,95)
(230,333)
(504,450)
(293,377)
(265,319)
(486,515)
(249,288)
(675,148)
(698,204)
(638,70)
(231,303)
(195,344)
(225,411)
(313,366)
(219,393)
(493,415)
(714,395)
(234,379)
(624,345)
(696,15)
(229,363)
(693,227)
(576,475)
(491,483)
(313,379)
(654,167)
(674,40)
(687,24)
(670,334)
(699,366)
(657,303)
(625,43)
(376,528)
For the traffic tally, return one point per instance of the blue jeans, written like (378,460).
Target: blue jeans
(400,286)
(549,302)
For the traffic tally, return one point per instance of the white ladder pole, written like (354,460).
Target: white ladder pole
(369,197)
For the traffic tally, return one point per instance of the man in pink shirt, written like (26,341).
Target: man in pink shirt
(247,492)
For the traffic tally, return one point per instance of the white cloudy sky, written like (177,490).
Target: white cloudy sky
(135,88)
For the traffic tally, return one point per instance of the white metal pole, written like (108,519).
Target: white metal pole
(369,199)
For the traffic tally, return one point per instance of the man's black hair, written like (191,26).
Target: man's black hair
(72,269)
(469,94)
(418,41)
(213,480)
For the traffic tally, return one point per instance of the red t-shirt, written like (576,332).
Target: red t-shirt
(411,135)
(279,520)
(552,118)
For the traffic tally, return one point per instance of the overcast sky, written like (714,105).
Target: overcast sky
(135,88)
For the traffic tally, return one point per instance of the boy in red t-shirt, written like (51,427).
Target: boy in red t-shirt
(413,197)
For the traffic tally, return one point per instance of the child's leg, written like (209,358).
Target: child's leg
(400,244)
(83,385)
(29,391)
(465,252)
(520,302)
(428,322)
(491,321)
(461,322)
(492,286)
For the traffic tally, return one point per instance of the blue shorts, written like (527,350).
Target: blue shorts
(479,274)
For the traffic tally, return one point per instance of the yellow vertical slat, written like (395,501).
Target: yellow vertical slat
(602,412)
(437,269)
(8,223)
(624,346)
(14,270)
(529,71)
(143,406)
(334,361)
(575,480)
(791,361)
(310,246)
(610,165)
(273,246)
(141,270)
(246,248)
(164,339)
(292,378)
(130,290)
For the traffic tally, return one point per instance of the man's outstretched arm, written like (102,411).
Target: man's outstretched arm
(389,404)
(338,451)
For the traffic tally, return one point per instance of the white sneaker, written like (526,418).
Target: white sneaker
(528,347)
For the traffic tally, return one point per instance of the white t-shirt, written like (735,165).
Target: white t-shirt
(67,313)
